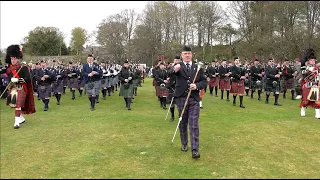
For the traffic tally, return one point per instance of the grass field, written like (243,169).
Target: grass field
(71,141)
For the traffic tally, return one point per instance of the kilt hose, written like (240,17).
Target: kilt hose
(237,87)
(225,83)
(214,82)
(191,116)
(288,84)
(305,102)
(162,92)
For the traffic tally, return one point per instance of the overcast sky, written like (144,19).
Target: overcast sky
(18,18)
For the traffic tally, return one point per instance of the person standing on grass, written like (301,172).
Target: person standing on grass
(20,91)
(126,88)
(91,75)
(185,73)
(309,83)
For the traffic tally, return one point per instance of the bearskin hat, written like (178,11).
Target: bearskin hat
(13,51)
(308,54)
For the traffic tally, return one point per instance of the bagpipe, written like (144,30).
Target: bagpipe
(311,79)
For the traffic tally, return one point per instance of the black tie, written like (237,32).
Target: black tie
(188,67)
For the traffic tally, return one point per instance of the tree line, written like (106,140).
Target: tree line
(283,29)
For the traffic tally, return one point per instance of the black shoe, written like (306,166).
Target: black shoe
(228,100)
(251,97)
(129,108)
(58,103)
(259,99)
(45,109)
(184,148)
(195,154)
(38,99)
(267,102)
(172,119)
(73,98)
(92,109)
(97,102)
(276,104)
(293,98)
(201,107)
(16,127)
(242,106)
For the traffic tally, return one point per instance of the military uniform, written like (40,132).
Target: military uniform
(212,74)
(224,80)
(256,80)
(126,88)
(237,87)
(272,83)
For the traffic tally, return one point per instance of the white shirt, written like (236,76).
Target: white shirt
(188,63)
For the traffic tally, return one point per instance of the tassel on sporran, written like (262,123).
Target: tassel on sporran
(313,94)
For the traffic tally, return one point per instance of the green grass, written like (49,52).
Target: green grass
(71,141)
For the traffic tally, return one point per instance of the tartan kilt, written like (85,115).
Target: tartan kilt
(225,83)
(214,82)
(73,83)
(92,87)
(21,98)
(154,82)
(254,85)
(288,84)
(162,92)
(81,83)
(65,82)
(305,102)
(236,89)
(57,87)
(135,83)
(115,80)
(126,92)
(44,91)
(104,83)
(270,88)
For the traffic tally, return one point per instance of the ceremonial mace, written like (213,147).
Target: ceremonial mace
(200,64)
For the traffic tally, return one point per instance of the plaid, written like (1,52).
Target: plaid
(115,80)
(162,92)
(254,85)
(214,82)
(104,83)
(81,83)
(57,87)
(135,83)
(288,84)
(191,116)
(44,91)
(95,90)
(270,88)
(127,93)
(73,83)
(20,99)
(305,102)
(236,89)
(225,83)
(65,82)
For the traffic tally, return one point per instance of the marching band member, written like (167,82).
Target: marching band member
(310,83)
(126,88)
(21,92)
